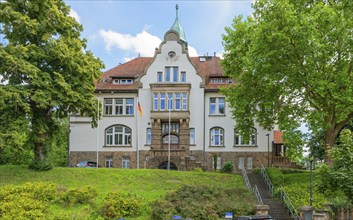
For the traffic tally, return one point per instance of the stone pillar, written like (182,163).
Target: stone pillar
(306,212)
(261,209)
(320,217)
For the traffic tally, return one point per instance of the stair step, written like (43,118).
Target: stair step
(277,209)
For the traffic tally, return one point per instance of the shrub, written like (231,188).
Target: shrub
(27,201)
(78,196)
(41,165)
(119,204)
(228,167)
(276,176)
(203,202)
(198,169)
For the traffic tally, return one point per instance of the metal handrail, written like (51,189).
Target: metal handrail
(245,177)
(288,204)
(258,196)
(255,190)
(283,195)
(267,180)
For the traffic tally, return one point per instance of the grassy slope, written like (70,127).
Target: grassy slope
(145,183)
(297,186)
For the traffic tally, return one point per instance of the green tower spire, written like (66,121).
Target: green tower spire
(177,26)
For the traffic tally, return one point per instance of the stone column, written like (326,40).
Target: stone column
(320,217)
(261,209)
(306,212)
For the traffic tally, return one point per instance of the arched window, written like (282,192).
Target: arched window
(241,141)
(118,135)
(217,136)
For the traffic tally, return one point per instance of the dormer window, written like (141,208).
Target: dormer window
(123,81)
(220,80)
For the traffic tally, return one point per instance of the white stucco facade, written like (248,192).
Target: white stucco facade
(124,138)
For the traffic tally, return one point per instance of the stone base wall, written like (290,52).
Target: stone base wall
(196,159)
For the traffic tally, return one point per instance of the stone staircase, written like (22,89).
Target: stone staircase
(277,209)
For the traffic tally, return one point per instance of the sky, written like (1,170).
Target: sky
(118,31)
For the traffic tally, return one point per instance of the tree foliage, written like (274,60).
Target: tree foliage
(47,69)
(292,61)
(339,177)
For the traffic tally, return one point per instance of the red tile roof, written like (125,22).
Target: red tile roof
(206,67)
(277,137)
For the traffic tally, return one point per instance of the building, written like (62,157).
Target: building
(184,119)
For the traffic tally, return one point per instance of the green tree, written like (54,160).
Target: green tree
(292,61)
(339,177)
(48,70)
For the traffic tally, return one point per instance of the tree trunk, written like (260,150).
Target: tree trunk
(41,128)
(39,151)
(329,142)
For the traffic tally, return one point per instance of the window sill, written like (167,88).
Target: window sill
(192,145)
(245,146)
(118,115)
(220,146)
(217,115)
(116,146)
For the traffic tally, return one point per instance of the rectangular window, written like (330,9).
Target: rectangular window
(119,106)
(109,137)
(212,106)
(119,135)
(221,106)
(240,163)
(192,135)
(185,101)
(155,101)
(170,101)
(219,163)
(217,106)
(149,136)
(249,164)
(126,162)
(177,101)
(162,104)
(217,137)
(108,106)
(129,107)
(109,162)
(175,74)
(183,77)
(159,77)
(167,74)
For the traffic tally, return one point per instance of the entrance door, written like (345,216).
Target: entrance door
(164,166)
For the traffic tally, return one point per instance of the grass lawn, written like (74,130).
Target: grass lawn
(149,184)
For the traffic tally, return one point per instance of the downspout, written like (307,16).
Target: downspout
(204,127)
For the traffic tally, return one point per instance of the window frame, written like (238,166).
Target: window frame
(213,136)
(160,77)
(108,162)
(238,140)
(183,77)
(125,162)
(118,138)
(217,106)
(192,136)
(167,78)
(148,136)
(118,106)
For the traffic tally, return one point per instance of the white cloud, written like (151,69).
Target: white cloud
(143,43)
(192,52)
(74,14)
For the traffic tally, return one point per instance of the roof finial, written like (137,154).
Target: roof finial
(177,8)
